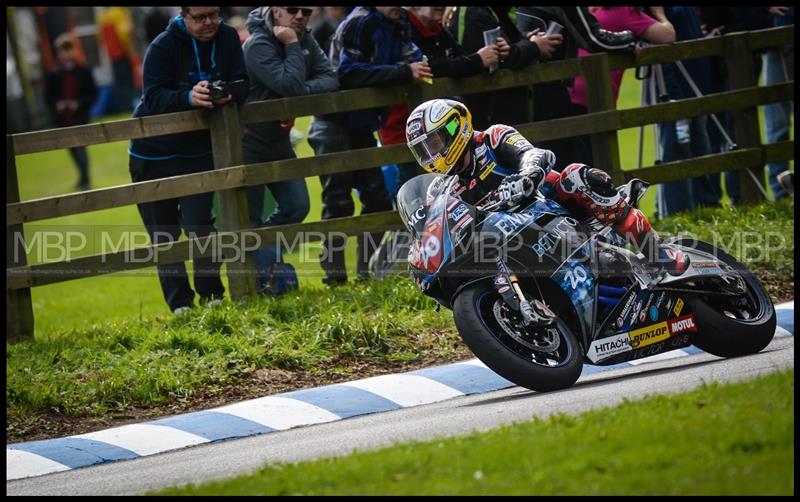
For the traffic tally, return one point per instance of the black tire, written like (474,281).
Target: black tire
(723,334)
(483,335)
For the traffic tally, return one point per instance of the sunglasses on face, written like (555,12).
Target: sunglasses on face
(294,10)
(213,17)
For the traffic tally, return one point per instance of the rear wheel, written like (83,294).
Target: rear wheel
(732,326)
(539,358)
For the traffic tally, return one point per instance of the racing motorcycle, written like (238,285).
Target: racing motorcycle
(536,294)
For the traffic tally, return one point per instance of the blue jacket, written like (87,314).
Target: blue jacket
(369,50)
(173,64)
(687,27)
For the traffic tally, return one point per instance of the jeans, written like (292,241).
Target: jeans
(164,220)
(292,206)
(777,117)
(685,194)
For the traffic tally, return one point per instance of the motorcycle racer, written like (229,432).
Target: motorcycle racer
(500,163)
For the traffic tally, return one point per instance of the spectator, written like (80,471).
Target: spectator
(197,48)
(506,106)
(778,68)
(283,60)
(116,28)
(713,22)
(372,46)
(156,21)
(446,59)
(685,138)
(326,23)
(551,99)
(655,30)
(239,24)
(70,91)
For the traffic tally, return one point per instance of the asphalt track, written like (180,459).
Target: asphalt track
(365,414)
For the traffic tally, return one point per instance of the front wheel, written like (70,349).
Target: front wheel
(541,359)
(732,326)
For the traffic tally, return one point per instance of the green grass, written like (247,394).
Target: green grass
(719,439)
(760,236)
(111,366)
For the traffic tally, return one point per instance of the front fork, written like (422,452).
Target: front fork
(533,312)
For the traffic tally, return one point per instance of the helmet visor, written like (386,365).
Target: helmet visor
(431,146)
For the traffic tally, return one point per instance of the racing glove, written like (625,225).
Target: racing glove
(514,188)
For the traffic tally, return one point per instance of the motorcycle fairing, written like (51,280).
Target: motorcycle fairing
(576,278)
(645,323)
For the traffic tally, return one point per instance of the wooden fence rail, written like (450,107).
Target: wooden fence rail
(231,177)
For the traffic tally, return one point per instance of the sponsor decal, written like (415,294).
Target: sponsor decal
(430,249)
(606,347)
(512,223)
(488,170)
(438,111)
(457,213)
(472,184)
(480,150)
(642,316)
(648,335)
(649,351)
(654,313)
(413,127)
(461,224)
(597,198)
(496,134)
(679,341)
(503,289)
(708,271)
(561,228)
(682,325)
(418,215)
(678,307)
(544,245)
(626,309)
(635,311)
(513,138)
(660,299)
(706,267)
(668,306)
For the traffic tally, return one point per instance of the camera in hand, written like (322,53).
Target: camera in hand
(219,89)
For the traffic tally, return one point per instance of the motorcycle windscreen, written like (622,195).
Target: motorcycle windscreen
(414,199)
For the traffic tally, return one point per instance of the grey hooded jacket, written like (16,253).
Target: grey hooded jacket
(278,71)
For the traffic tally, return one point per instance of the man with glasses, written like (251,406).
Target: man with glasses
(196,49)
(283,60)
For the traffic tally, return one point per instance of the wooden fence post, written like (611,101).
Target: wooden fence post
(599,98)
(19,308)
(739,61)
(226,142)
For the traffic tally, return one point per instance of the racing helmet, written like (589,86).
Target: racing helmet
(437,133)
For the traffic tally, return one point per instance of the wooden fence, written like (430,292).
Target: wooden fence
(231,177)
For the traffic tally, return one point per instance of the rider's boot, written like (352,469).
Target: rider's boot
(664,256)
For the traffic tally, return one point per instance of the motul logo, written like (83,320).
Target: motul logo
(682,325)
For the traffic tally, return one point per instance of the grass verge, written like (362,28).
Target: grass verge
(720,439)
